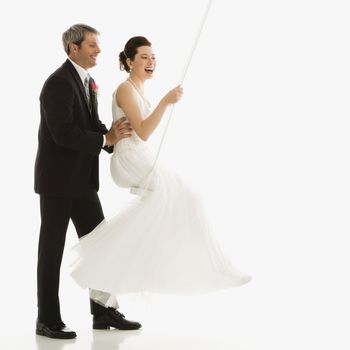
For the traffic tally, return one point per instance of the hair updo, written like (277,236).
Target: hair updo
(130,50)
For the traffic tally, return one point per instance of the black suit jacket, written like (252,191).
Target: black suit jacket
(70,137)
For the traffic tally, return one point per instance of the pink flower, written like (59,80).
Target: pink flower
(94,88)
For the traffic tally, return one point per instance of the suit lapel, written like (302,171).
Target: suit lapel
(79,84)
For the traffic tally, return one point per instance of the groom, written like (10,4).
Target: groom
(71,137)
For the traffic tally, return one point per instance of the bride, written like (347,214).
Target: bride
(161,243)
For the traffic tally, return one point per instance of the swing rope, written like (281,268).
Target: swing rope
(144,188)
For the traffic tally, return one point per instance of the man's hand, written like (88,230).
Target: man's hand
(120,129)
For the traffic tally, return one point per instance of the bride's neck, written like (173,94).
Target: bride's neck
(138,82)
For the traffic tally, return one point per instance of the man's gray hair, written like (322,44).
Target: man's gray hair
(76,34)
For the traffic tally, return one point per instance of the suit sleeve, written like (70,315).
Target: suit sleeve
(104,130)
(57,101)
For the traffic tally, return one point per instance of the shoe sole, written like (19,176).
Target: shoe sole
(107,327)
(102,327)
(38,332)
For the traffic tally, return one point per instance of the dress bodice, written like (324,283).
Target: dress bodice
(117,113)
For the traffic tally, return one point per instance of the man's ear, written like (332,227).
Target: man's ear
(72,47)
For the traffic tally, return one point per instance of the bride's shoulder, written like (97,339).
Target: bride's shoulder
(123,87)
(120,89)
(125,91)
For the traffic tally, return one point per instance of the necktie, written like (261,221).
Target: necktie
(87,90)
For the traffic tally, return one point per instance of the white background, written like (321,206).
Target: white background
(262,133)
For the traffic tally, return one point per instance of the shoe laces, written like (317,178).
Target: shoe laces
(58,326)
(116,312)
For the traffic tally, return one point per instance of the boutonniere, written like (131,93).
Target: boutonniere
(94,89)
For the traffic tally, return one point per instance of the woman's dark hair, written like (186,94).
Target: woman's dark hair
(130,50)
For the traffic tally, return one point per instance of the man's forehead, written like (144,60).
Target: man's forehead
(91,37)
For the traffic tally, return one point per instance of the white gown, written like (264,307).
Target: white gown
(160,243)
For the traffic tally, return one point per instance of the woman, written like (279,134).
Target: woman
(161,243)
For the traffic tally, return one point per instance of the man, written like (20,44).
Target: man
(71,137)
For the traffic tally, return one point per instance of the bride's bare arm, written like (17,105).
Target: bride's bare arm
(126,98)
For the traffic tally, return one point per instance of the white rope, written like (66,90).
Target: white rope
(195,43)
(189,59)
(144,189)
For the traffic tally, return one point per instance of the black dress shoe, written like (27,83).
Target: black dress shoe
(113,318)
(59,331)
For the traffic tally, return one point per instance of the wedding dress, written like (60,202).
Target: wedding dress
(161,242)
